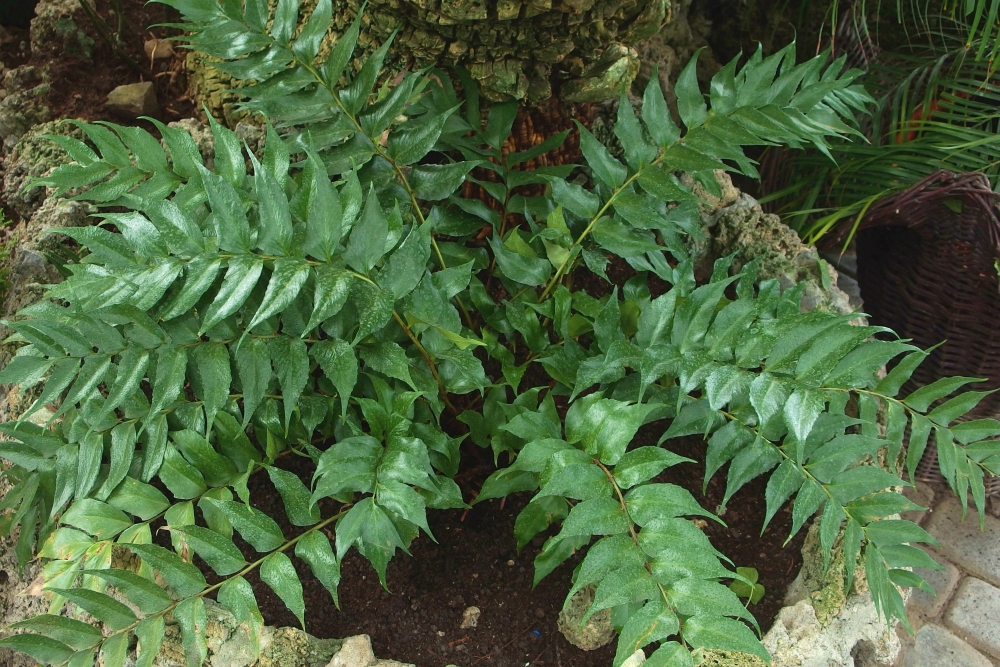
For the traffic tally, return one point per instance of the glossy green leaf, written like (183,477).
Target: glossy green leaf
(278,572)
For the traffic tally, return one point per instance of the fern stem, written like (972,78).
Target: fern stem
(571,256)
(400,175)
(635,541)
(214,587)
(430,361)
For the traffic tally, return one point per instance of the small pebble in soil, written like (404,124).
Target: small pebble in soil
(133,100)
(539,613)
(470,617)
(510,563)
(158,49)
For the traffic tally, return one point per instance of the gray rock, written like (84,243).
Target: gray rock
(922,495)
(25,105)
(934,646)
(31,157)
(31,271)
(134,100)
(736,225)
(55,30)
(797,638)
(355,652)
(598,630)
(470,617)
(973,615)
(977,551)
(158,49)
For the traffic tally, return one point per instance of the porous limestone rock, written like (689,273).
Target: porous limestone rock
(736,225)
(824,626)
(55,30)
(354,652)
(34,156)
(730,659)
(229,645)
(214,89)
(25,105)
(31,270)
(597,631)
(798,639)
(202,135)
(672,46)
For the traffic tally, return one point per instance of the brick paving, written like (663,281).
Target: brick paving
(958,626)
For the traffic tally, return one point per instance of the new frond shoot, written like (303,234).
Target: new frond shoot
(329,298)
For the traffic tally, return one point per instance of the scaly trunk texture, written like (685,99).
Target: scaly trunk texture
(527,50)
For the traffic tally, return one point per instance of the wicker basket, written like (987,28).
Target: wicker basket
(927,268)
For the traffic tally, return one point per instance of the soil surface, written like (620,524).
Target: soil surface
(80,85)
(475,563)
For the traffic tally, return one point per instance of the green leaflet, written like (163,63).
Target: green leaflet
(332,289)
(74,633)
(314,548)
(367,241)
(257,528)
(295,495)
(338,362)
(142,592)
(287,279)
(150,634)
(183,577)
(241,278)
(278,572)
(105,608)
(290,359)
(193,620)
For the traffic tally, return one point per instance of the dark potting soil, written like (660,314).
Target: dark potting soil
(475,563)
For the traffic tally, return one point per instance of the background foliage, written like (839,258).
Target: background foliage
(931,68)
(226,318)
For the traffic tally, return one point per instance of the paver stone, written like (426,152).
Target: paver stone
(973,615)
(977,551)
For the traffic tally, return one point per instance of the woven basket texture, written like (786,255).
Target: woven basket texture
(927,268)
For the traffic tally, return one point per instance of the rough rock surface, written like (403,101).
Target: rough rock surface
(598,630)
(202,136)
(25,103)
(31,157)
(30,267)
(736,225)
(24,94)
(55,29)
(671,48)
(213,88)
(229,645)
(133,100)
(577,50)
(824,626)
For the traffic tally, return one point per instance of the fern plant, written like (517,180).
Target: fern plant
(225,319)
(935,108)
